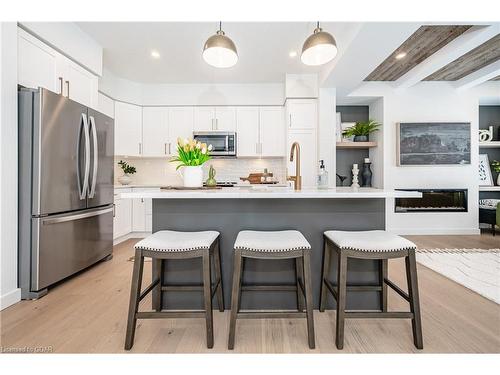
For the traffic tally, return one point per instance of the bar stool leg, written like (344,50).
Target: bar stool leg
(324,275)
(341,299)
(135,292)
(299,275)
(411,276)
(157,265)
(235,297)
(309,302)
(383,275)
(207,297)
(218,277)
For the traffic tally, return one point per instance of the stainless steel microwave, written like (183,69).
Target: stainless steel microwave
(223,143)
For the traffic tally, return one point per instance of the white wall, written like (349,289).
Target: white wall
(191,94)
(9,292)
(429,102)
(70,40)
(376,154)
(326,132)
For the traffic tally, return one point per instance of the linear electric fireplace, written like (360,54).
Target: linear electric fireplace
(434,200)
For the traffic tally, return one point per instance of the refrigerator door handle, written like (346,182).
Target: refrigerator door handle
(96,157)
(62,219)
(83,189)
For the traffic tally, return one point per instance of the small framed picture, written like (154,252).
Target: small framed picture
(343,127)
(485,177)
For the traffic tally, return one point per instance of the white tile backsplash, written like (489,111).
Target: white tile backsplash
(159,171)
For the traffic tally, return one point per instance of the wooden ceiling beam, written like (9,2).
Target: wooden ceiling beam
(466,42)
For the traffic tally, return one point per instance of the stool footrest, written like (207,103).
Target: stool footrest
(397,289)
(379,314)
(259,314)
(170,314)
(352,288)
(282,288)
(148,289)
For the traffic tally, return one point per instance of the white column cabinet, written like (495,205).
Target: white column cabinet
(272,131)
(248,143)
(302,113)
(155,131)
(128,129)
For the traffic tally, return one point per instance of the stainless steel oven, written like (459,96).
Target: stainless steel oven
(223,143)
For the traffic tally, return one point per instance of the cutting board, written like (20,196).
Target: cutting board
(190,188)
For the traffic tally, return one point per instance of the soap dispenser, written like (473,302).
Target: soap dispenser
(322,176)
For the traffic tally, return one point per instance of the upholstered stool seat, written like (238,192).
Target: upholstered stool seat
(286,244)
(169,240)
(271,241)
(373,245)
(370,240)
(171,245)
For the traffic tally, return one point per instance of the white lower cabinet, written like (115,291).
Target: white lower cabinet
(138,215)
(132,215)
(122,219)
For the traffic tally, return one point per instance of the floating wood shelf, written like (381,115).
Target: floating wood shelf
(492,144)
(353,145)
(489,188)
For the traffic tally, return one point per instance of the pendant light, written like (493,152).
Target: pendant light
(319,48)
(219,50)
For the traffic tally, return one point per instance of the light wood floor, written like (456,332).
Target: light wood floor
(485,241)
(87,314)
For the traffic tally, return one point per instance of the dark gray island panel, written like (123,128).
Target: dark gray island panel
(228,216)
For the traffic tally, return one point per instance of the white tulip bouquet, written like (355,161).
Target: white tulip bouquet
(191,153)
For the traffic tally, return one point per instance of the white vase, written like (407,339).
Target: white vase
(498,180)
(192,176)
(125,179)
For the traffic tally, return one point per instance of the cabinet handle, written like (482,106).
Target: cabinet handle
(114,210)
(140,148)
(290,120)
(216,124)
(165,148)
(256,148)
(142,200)
(260,148)
(67,86)
(213,124)
(61,84)
(169,148)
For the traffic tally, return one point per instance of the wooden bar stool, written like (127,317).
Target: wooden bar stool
(379,245)
(288,244)
(176,245)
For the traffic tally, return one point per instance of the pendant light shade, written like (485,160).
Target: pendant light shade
(319,48)
(220,51)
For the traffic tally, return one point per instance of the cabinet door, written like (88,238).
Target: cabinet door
(272,131)
(155,131)
(247,129)
(225,119)
(302,113)
(138,215)
(204,118)
(180,124)
(80,85)
(122,222)
(106,105)
(308,155)
(37,64)
(128,129)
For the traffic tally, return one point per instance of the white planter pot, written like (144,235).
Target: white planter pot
(192,176)
(498,180)
(125,179)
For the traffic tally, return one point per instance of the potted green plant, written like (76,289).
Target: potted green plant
(361,131)
(191,155)
(495,165)
(127,171)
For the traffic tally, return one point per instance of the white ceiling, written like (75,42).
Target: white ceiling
(263,49)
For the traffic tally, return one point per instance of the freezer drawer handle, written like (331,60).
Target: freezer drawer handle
(96,157)
(76,217)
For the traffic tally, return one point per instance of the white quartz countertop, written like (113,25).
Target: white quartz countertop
(271,192)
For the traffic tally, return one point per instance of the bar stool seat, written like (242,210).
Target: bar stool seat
(271,241)
(171,245)
(369,240)
(286,244)
(172,241)
(374,245)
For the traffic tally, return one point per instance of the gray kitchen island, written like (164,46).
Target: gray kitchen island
(230,210)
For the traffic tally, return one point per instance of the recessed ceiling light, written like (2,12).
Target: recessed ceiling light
(401,55)
(155,54)
(292,54)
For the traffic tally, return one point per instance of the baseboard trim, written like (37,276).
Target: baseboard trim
(435,231)
(10,298)
(130,235)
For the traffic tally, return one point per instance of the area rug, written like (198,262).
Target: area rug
(476,269)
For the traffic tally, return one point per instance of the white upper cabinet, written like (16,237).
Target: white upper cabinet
(247,130)
(41,66)
(180,124)
(225,119)
(302,113)
(272,131)
(204,118)
(128,129)
(155,131)
(106,105)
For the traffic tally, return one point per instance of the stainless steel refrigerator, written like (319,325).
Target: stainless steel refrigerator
(65,188)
